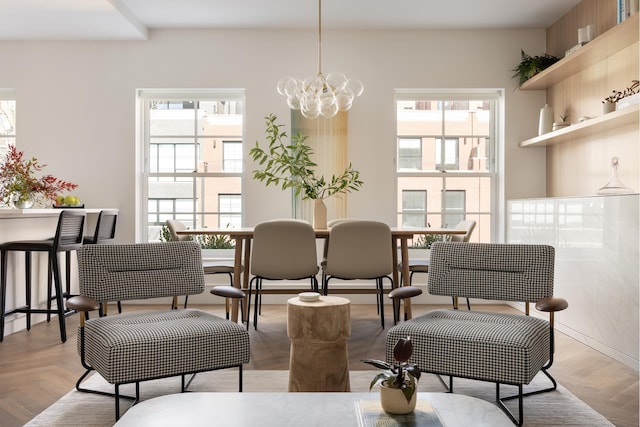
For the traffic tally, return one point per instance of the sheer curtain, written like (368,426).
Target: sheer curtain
(328,139)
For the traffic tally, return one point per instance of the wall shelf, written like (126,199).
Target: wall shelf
(612,41)
(605,122)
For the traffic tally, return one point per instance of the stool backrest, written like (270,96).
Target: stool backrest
(70,230)
(106,226)
(494,271)
(121,272)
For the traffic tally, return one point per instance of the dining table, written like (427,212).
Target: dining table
(243,236)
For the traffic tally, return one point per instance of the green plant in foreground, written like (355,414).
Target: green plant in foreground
(290,166)
(401,375)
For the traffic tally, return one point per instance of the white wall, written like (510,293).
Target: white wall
(76,101)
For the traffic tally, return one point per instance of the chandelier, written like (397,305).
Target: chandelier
(319,95)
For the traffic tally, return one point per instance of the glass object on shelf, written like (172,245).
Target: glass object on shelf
(614,186)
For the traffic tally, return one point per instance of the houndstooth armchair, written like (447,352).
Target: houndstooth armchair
(496,347)
(140,346)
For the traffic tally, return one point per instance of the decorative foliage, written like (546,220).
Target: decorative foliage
(290,166)
(617,95)
(531,65)
(424,241)
(217,241)
(18,181)
(402,375)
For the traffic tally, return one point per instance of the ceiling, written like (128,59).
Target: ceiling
(133,19)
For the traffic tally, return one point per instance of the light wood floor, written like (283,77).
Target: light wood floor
(36,369)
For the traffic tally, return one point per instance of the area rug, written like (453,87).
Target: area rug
(557,408)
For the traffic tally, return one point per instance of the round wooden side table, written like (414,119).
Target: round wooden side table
(319,331)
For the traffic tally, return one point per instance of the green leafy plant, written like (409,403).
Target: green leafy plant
(165,234)
(19,183)
(401,375)
(529,66)
(218,241)
(290,166)
(424,241)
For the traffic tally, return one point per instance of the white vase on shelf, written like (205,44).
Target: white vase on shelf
(546,120)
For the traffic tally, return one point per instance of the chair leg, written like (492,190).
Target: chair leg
(381,300)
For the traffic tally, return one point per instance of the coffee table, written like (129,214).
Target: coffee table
(294,409)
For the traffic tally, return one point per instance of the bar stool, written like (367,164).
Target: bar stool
(68,237)
(104,233)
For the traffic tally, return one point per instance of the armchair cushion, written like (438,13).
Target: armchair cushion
(496,347)
(187,340)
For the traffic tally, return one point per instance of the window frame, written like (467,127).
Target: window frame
(143,155)
(496,134)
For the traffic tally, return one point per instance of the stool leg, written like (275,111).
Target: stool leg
(27,273)
(3,294)
(59,300)
(67,255)
(49,286)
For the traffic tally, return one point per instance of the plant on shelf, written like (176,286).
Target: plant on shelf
(290,166)
(19,184)
(618,95)
(531,65)
(402,375)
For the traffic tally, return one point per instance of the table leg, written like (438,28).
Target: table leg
(394,257)
(247,273)
(404,251)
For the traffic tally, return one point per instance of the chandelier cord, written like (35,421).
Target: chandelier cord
(319,37)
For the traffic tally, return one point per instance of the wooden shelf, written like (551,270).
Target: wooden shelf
(605,122)
(612,41)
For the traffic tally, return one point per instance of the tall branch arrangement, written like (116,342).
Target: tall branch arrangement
(290,166)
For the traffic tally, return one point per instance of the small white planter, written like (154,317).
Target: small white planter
(393,401)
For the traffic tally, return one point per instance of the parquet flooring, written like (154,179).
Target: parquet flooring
(36,369)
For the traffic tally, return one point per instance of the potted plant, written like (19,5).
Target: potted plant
(529,66)
(398,381)
(610,103)
(19,185)
(290,166)
(562,123)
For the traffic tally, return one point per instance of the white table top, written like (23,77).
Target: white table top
(294,409)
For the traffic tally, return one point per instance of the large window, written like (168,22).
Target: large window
(7,121)
(192,159)
(446,145)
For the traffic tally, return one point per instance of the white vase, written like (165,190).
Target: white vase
(546,120)
(319,214)
(393,401)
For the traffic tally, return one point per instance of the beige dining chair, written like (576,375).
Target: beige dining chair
(360,249)
(223,266)
(283,249)
(421,265)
